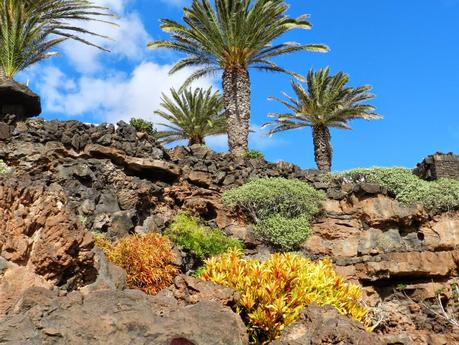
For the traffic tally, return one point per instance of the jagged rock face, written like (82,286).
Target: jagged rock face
(41,242)
(118,317)
(381,244)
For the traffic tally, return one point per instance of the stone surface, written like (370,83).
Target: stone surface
(325,326)
(118,317)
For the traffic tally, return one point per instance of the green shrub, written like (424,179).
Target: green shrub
(408,189)
(144,126)
(254,154)
(3,167)
(284,233)
(262,198)
(200,241)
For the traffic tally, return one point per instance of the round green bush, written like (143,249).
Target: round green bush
(284,233)
(262,198)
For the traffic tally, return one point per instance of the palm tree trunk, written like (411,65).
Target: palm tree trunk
(236,94)
(195,140)
(323,151)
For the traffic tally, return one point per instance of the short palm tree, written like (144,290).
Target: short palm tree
(327,103)
(231,36)
(192,115)
(30,28)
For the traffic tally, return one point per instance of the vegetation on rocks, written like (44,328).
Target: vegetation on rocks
(144,126)
(147,260)
(254,154)
(273,292)
(281,208)
(282,232)
(439,195)
(200,241)
(3,167)
(261,198)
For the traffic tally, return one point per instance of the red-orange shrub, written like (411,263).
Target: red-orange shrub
(147,260)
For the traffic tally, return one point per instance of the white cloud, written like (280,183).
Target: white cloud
(128,39)
(115,97)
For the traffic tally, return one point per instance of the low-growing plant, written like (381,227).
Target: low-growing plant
(200,241)
(143,126)
(407,188)
(3,167)
(253,154)
(264,197)
(147,260)
(284,233)
(273,292)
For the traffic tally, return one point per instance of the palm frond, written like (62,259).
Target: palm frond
(233,33)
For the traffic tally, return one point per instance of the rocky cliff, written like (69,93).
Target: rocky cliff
(67,177)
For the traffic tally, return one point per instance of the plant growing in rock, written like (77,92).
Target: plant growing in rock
(263,197)
(253,154)
(29,29)
(200,241)
(3,167)
(144,126)
(407,188)
(147,260)
(281,209)
(327,103)
(232,36)
(282,232)
(273,292)
(192,115)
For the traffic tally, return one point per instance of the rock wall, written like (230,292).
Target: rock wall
(114,180)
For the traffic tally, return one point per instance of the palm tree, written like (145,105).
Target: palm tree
(30,28)
(232,36)
(327,103)
(192,115)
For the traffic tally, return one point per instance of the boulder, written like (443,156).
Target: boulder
(325,326)
(118,317)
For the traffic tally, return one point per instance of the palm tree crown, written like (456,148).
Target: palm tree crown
(192,115)
(236,33)
(232,36)
(29,29)
(327,103)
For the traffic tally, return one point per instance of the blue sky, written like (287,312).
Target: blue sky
(408,50)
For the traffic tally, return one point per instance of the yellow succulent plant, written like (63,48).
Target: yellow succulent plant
(273,292)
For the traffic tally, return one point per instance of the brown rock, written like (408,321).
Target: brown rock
(37,231)
(325,326)
(111,317)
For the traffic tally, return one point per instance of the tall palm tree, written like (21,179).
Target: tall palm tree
(232,36)
(30,28)
(192,115)
(327,103)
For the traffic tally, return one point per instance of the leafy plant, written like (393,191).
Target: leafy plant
(327,103)
(264,197)
(192,115)
(273,292)
(200,241)
(143,126)
(284,233)
(147,260)
(3,167)
(439,195)
(254,154)
(232,36)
